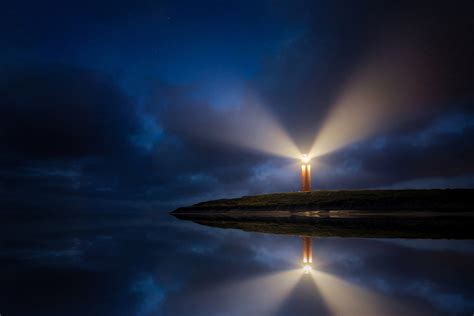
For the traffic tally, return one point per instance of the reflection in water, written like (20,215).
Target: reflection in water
(341,297)
(168,267)
(307,254)
(260,295)
(345,298)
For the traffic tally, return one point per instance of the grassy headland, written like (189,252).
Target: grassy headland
(446,200)
(357,213)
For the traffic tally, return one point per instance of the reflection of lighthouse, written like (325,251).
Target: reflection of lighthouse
(307,253)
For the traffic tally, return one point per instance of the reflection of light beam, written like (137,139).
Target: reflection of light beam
(344,298)
(269,291)
(258,296)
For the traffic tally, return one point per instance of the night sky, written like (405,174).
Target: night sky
(120,105)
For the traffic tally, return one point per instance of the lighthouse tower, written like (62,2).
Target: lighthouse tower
(305,174)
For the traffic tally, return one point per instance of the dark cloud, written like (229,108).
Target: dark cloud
(62,128)
(398,159)
(70,134)
(60,112)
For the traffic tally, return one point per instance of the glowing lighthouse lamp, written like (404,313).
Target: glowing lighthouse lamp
(305,174)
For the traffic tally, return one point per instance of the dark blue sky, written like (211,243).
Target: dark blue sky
(122,105)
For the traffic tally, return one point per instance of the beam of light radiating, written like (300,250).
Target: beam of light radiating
(390,89)
(345,298)
(257,129)
(249,125)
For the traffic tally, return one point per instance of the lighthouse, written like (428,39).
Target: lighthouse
(305,174)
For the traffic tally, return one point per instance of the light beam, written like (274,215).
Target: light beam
(248,125)
(392,87)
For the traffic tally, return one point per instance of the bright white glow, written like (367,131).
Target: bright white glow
(305,158)
(307,268)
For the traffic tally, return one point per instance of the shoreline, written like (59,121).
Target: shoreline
(375,201)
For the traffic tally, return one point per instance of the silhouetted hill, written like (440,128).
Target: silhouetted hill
(366,200)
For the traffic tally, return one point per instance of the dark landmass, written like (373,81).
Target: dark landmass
(459,226)
(436,214)
(366,200)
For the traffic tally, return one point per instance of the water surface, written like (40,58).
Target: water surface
(158,265)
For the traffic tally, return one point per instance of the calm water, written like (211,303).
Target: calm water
(158,265)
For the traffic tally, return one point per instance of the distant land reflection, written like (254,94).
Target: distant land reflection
(148,265)
(369,224)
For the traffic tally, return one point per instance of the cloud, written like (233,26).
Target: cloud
(400,158)
(60,112)
(361,69)
(71,135)
(61,128)
(69,138)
